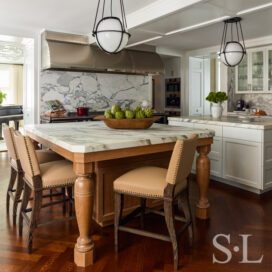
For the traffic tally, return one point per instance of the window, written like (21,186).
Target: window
(5,83)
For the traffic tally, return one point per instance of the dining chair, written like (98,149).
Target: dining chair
(159,183)
(37,178)
(16,172)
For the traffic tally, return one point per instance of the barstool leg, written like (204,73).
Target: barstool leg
(13,174)
(118,208)
(18,193)
(143,205)
(26,196)
(70,195)
(34,218)
(170,222)
(64,202)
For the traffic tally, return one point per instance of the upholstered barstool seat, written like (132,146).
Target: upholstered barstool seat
(146,182)
(57,174)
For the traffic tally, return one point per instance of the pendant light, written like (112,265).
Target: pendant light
(110,32)
(232,51)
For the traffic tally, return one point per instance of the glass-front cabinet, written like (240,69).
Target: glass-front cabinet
(254,73)
(243,75)
(269,70)
(257,68)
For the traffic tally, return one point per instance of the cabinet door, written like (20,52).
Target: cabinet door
(196,86)
(269,70)
(242,162)
(257,69)
(242,75)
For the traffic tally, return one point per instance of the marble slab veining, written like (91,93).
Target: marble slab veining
(95,91)
(260,123)
(86,137)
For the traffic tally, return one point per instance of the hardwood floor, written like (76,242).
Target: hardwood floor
(233,212)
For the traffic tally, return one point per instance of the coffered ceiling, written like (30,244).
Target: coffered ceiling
(201,24)
(200,20)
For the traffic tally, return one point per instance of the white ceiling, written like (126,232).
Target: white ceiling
(256,24)
(74,16)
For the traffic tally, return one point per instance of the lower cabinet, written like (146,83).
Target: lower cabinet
(242,162)
(242,156)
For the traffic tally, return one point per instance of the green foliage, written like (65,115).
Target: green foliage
(2,96)
(217,97)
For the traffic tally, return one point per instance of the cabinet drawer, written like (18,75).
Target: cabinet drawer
(243,134)
(216,129)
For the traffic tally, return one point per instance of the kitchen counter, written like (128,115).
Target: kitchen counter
(231,121)
(86,137)
(241,152)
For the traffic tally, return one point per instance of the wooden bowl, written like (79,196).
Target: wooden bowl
(128,123)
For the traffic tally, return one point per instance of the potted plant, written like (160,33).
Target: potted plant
(216,98)
(2,97)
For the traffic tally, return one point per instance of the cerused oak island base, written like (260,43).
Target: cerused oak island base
(96,172)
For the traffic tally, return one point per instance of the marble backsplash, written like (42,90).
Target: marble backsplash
(96,91)
(258,101)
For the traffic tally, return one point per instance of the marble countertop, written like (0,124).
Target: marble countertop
(86,137)
(231,121)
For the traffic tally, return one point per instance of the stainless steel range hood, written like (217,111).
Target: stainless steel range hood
(74,53)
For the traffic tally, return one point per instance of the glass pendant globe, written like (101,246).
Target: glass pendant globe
(110,35)
(233,54)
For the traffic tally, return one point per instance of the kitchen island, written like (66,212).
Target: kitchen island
(100,155)
(241,154)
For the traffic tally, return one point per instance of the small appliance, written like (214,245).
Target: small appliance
(240,104)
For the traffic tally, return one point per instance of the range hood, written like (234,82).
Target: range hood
(74,53)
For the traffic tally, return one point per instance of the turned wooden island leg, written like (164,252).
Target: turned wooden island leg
(203,180)
(84,192)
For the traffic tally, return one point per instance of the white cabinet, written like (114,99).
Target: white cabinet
(216,149)
(239,156)
(253,73)
(242,162)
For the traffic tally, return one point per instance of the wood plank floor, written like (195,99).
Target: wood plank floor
(233,212)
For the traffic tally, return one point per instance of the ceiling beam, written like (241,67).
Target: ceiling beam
(156,10)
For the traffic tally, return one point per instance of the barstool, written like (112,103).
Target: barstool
(43,156)
(159,183)
(37,178)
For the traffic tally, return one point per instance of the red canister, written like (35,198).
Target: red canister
(82,111)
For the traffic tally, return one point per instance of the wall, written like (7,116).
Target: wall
(96,91)
(258,101)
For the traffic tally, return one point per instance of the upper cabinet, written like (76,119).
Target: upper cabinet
(269,70)
(254,73)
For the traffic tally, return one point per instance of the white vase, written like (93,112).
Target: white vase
(217,110)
